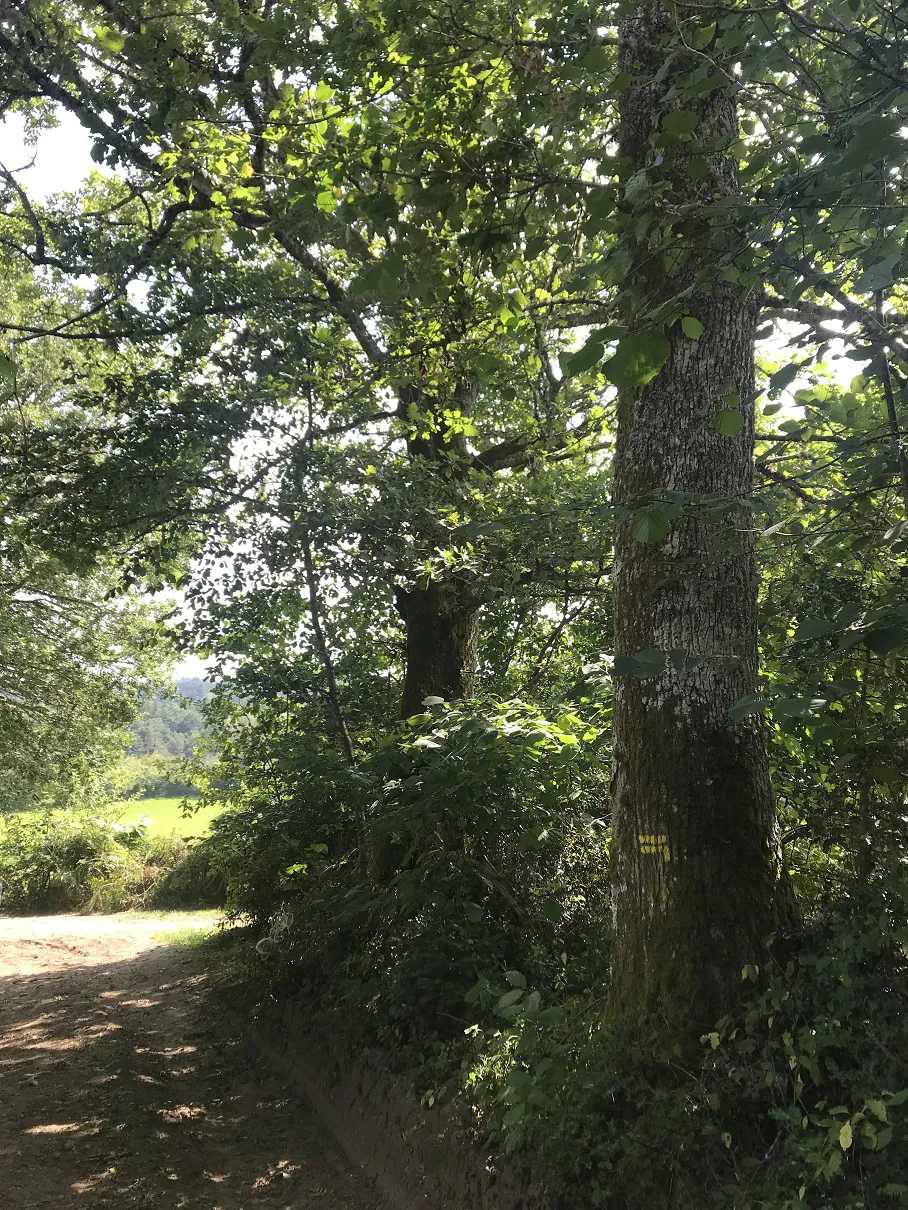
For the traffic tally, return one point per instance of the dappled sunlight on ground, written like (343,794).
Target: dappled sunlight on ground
(124,1085)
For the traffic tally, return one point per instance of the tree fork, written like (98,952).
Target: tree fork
(695,848)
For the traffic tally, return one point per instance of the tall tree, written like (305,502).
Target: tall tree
(348,215)
(695,846)
(76,656)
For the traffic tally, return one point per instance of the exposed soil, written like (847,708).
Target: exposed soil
(124,1083)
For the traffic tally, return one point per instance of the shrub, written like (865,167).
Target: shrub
(195,880)
(447,901)
(66,861)
(470,845)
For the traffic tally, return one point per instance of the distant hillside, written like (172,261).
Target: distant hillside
(194,687)
(170,726)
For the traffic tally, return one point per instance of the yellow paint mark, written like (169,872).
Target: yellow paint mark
(655,844)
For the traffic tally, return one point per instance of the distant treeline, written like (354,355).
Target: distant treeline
(170,726)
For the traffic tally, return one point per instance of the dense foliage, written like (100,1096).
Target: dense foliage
(517,396)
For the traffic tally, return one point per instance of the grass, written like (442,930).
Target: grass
(166,816)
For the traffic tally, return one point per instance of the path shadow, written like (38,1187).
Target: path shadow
(129,1085)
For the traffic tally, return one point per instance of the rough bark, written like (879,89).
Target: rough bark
(441,618)
(695,843)
(441,622)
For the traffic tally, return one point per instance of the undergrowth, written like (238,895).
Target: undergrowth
(446,903)
(77,861)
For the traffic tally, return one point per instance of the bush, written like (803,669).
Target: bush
(469,846)
(800,1101)
(447,902)
(194,881)
(70,861)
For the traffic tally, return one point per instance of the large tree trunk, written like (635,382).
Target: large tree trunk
(695,844)
(441,627)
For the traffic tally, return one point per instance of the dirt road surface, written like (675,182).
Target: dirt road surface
(123,1083)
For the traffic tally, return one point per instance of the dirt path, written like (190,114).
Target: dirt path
(122,1084)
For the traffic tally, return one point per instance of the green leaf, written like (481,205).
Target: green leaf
(585,358)
(798,707)
(637,360)
(729,422)
(883,639)
(751,704)
(473,912)
(813,628)
(680,123)
(885,776)
(644,664)
(883,1139)
(879,275)
(7,369)
(600,58)
(515,978)
(691,327)
(650,525)
(551,1016)
(846,1136)
(110,39)
(782,378)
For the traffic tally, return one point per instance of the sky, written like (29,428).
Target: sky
(62,156)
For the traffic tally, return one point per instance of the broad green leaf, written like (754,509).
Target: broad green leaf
(7,368)
(883,639)
(751,704)
(650,525)
(782,378)
(112,40)
(883,1139)
(798,707)
(680,123)
(585,358)
(644,664)
(813,628)
(729,422)
(637,360)
(878,1109)
(846,1136)
(879,275)
(692,327)
(885,776)
(600,58)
